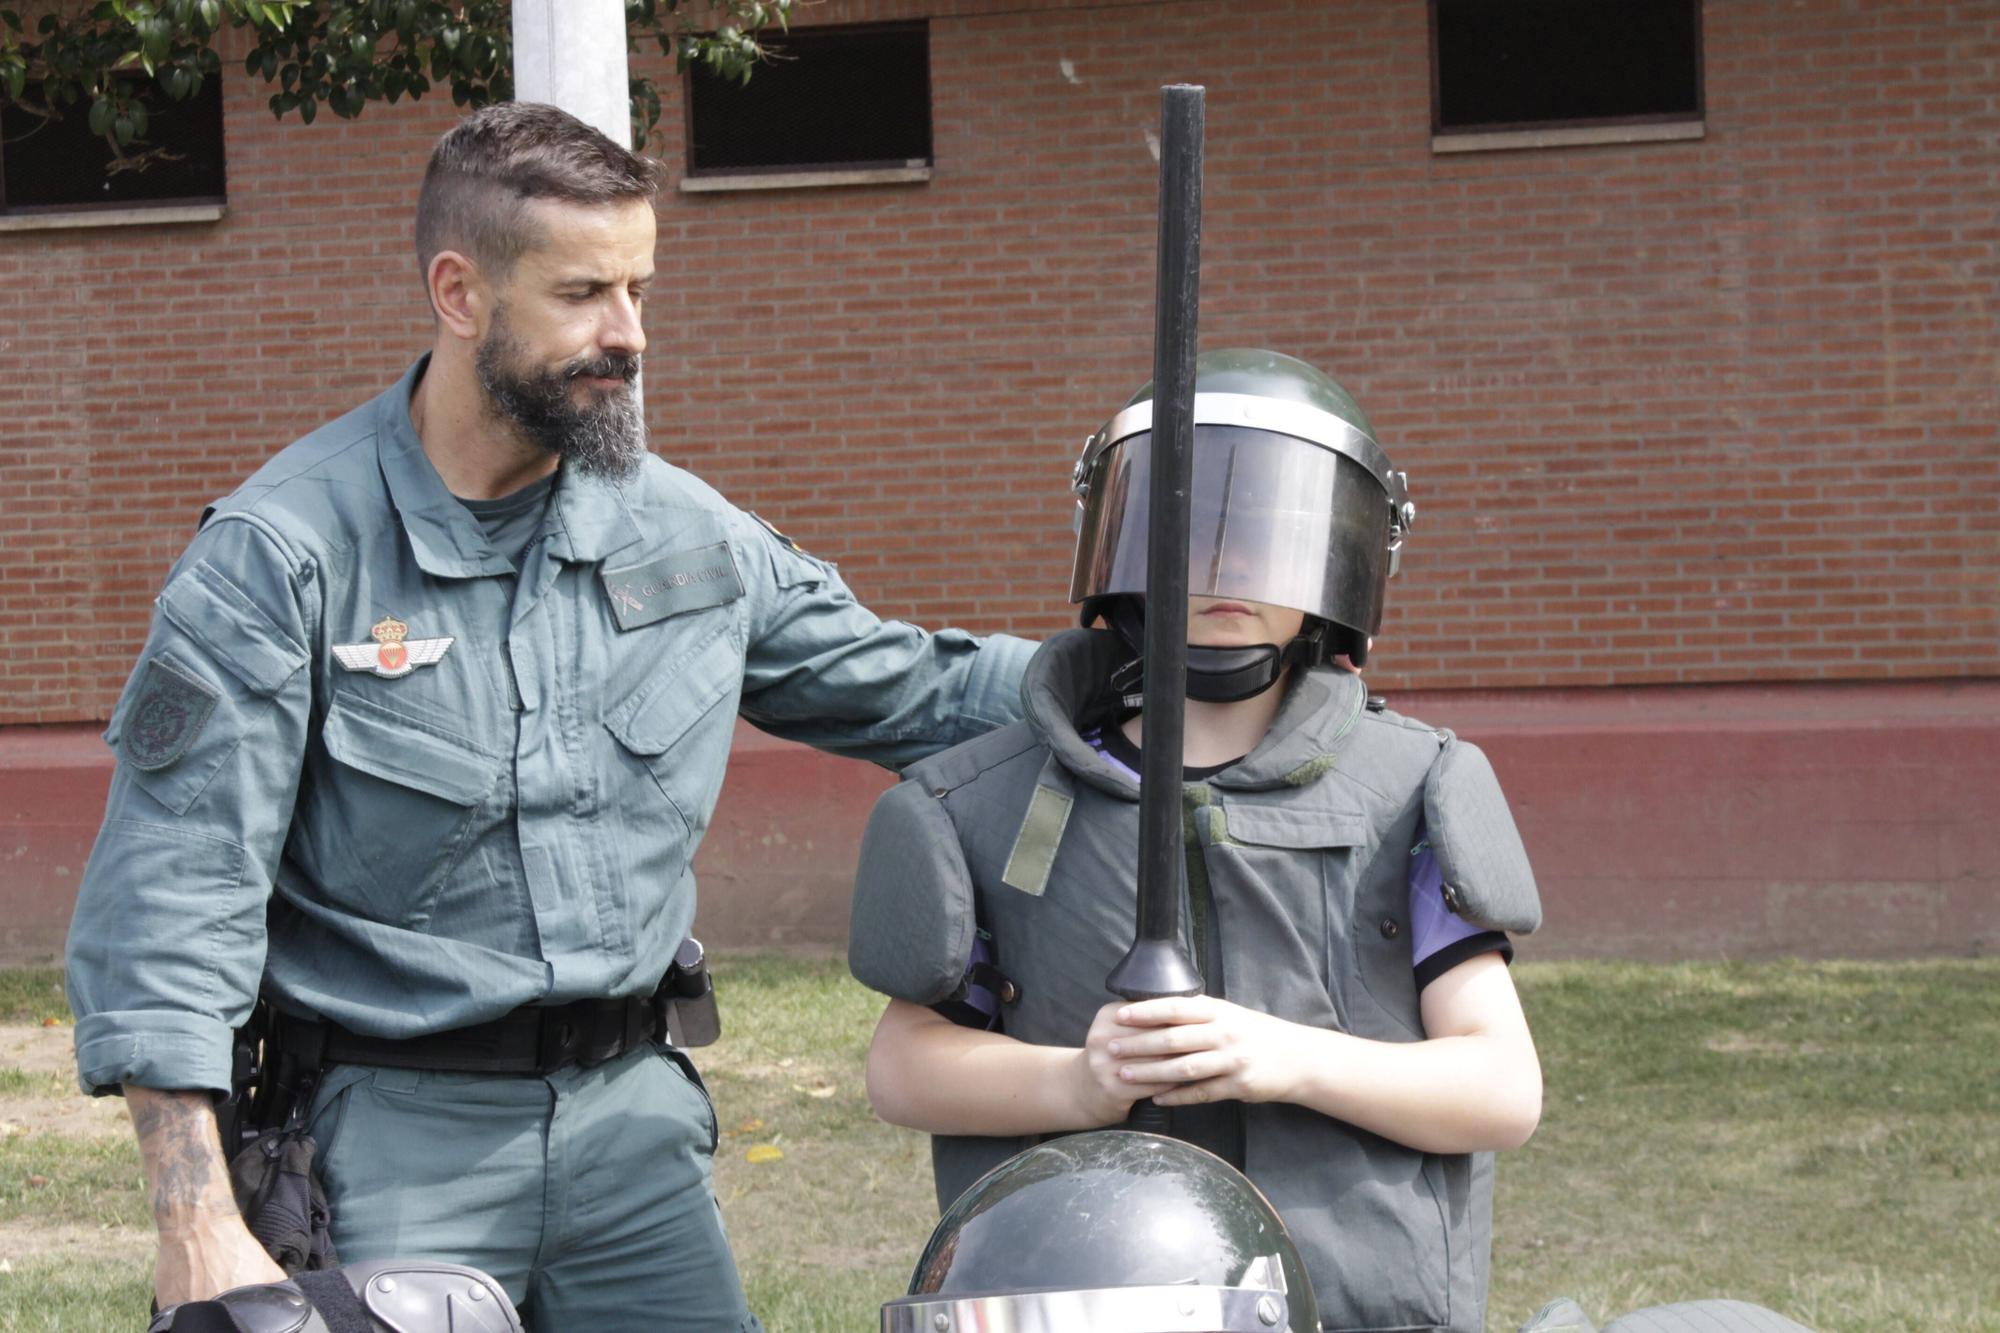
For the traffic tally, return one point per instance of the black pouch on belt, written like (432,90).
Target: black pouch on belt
(282,1201)
(269,1151)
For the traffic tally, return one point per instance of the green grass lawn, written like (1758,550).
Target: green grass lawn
(1819,1138)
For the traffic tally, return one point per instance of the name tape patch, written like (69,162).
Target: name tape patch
(683,581)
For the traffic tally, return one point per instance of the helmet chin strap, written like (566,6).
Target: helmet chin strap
(1214,675)
(1228,675)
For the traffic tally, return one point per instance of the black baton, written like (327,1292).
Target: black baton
(1158,963)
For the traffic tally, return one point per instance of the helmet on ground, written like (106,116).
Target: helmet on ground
(1109,1232)
(1293,503)
(379,1295)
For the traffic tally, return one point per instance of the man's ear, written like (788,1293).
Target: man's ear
(459,294)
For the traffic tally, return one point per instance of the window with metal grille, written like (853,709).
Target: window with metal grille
(61,166)
(829,99)
(1500,66)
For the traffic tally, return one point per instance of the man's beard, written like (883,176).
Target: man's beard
(604,438)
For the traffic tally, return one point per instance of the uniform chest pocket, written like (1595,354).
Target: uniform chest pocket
(387,819)
(677,723)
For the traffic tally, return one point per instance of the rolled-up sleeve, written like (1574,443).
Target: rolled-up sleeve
(822,669)
(167,944)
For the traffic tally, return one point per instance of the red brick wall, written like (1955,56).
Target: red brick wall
(1711,411)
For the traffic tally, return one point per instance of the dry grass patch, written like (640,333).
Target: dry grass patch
(38,1087)
(25,1241)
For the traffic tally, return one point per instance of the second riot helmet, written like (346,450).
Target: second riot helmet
(1109,1232)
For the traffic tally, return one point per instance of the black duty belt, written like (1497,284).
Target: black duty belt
(534,1039)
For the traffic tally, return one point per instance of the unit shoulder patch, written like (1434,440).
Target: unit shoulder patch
(168,713)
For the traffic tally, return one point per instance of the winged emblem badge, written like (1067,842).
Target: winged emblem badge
(393,653)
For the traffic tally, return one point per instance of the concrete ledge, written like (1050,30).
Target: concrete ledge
(52,786)
(1816,820)
(1702,821)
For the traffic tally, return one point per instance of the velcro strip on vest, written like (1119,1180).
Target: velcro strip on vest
(1034,853)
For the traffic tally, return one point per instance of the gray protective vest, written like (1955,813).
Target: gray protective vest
(1304,846)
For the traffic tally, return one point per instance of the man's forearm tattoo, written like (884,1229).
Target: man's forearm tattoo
(177,1140)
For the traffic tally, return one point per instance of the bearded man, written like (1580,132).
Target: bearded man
(432,715)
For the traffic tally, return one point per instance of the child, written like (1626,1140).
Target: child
(1350,875)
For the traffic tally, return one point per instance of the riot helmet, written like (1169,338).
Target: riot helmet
(1109,1232)
(1293,503)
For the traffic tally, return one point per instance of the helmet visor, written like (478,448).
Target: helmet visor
(1271,519)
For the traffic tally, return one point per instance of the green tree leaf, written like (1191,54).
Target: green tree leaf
(345,53)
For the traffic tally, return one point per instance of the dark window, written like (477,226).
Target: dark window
(828,98)
(1529,64)
(60,164)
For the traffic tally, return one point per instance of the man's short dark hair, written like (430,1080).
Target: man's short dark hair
(484,172)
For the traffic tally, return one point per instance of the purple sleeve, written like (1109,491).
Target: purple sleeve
(1439,938)
(976,1002)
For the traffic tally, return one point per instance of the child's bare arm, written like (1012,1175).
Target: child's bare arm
(926,1072)
(1474,1085)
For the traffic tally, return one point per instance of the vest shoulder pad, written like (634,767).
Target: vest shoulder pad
(911,929)
(962,763)
(1487,879)
(915,916)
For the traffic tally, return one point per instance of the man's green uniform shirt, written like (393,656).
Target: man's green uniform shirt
(404,835)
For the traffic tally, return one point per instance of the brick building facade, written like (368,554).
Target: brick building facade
(1705,434)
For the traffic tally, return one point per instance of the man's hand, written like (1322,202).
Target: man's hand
(1103,1090)
(204,1247)
(197,1263)
(1205,1049)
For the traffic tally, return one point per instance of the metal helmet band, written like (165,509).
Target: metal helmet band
(1179,1308)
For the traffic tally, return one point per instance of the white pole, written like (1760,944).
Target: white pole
(571,54)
